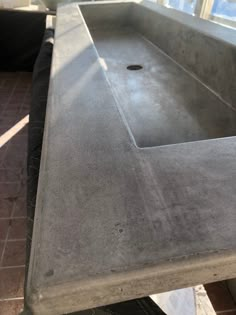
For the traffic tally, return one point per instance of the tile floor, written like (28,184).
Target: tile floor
(14,108)
(221,298)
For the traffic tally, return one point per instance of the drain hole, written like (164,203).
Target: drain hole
(134,67)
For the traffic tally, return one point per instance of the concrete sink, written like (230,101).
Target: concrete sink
(130,201)
(161,102)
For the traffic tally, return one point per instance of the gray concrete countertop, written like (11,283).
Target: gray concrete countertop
(113,221)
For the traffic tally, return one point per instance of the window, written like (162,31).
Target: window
(182,5)
(224,12)
(225,9)
(220,11)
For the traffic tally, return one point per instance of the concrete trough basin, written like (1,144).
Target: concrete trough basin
(154,74)
(137,185)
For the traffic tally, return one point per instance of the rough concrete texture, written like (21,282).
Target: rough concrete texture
(114,221)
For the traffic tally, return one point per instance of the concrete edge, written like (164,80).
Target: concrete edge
(84,294)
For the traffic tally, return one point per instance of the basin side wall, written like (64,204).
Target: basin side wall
(209,58)
(106,15)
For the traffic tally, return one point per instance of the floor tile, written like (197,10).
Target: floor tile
(1,248)
(9,190)
(3,151)
(11,112)
(14,254)
(20,207)
(4,225)
(6,207)
(11,282)
(17,146)
(17,229)
(18,143)
(23,132)
(13,160)
(12,307)
(10,175)
(23,189)
(7,123)
(4,96)
(13,105)
(220,296)
(18,96)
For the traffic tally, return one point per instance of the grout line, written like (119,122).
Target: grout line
(23,177)
(13,218)
(9,182)
(12,267)
(7,236)
(25,208)
(11,168)
(12,299)
(7,103)
(4,248)
(12,92)
(16,240)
